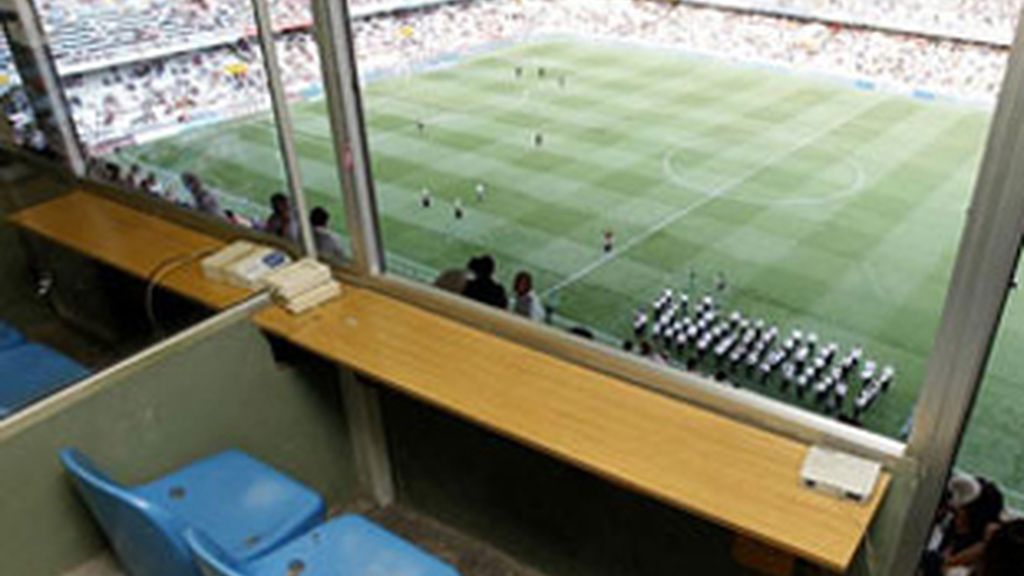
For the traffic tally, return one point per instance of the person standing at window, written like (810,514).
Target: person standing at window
(526,302)
(281,221)
(482,287)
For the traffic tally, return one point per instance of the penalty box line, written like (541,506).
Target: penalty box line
(712,195)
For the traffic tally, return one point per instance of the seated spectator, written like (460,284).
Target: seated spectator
(975,506)
(328,244)
(1004,551)
(582,332)
(526,303)
(281,222)
(204,200)
(482,286)
(452,280)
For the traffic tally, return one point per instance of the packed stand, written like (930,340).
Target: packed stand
(946,67)
(225,81)
(87,34)
(991,21)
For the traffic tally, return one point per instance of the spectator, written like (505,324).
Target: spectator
(526,303)
(976,507)
(328,244)
(204,200)
(1004,551)
(452,280)
(281,222)
(482,286)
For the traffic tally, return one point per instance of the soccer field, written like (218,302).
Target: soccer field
(827,208)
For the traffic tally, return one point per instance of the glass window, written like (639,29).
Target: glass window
(774,203)
(171,99)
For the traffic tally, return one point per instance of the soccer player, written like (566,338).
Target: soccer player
(519,71)
(420,126)
(609,242)
(640,323)
(538,139)
(425,198)
(541,72)
(720,283)
(480,189)
(459,213)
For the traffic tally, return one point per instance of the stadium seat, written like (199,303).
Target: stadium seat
(31,372)
(349,545)
(245,506)
(9,336)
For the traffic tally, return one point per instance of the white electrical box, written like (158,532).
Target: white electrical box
(303,285)
(244,264)
(250,270)
(313,298)
(839,474)
(215,266)
(302,276)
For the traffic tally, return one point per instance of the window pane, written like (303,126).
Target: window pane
(807,176)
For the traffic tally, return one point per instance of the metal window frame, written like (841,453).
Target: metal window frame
(31,22)
(344,105)
(283,123)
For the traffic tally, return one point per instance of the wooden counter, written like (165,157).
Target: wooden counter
(724,471)
(719,469)
(130,240)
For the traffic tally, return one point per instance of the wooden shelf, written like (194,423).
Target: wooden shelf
(719,469)
(130,240)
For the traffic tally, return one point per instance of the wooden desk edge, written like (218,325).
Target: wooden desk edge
(266,320)
(232,296)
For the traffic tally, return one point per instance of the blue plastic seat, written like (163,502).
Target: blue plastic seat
(245,506)
(9,336)
(349,545)
(32,371)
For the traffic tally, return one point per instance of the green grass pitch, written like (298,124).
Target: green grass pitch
(827,208)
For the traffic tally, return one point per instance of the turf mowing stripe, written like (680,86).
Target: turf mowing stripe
(712,195)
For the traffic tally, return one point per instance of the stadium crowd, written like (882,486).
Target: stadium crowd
(91,32)
(990,21)
(228,79)
(224,82)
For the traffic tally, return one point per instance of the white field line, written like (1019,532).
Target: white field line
(712,195)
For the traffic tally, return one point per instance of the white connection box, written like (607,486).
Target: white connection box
(313,298)
(215,266)
(298,278)
(839,474)
(250,270)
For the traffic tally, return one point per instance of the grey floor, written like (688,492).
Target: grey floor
(471,557)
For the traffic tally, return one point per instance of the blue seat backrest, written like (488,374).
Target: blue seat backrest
(9,336)
(33,371)
(148,541)
(211,558)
